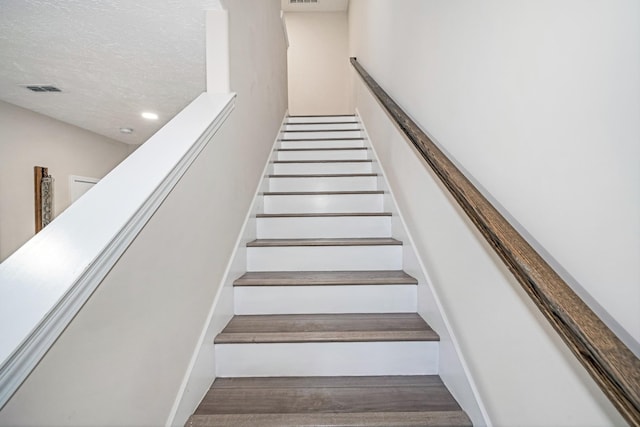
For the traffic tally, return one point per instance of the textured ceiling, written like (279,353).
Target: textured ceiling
(112,59)
(320,6)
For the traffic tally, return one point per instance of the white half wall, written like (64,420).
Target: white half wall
(539,102)
(123,359)
(29,139)
(318,63)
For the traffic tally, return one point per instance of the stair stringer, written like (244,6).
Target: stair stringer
(453,368)
(202,368)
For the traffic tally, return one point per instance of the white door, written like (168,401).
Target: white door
(78,185)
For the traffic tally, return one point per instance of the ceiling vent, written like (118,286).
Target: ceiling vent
(42,88)
(302,1)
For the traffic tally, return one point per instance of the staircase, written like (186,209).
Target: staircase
(325,330)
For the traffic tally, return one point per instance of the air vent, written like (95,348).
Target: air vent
(302,1)
(42,88)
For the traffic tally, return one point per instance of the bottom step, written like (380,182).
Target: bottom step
(329,401)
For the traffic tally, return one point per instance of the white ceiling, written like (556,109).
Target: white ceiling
(320,6)
(112,59)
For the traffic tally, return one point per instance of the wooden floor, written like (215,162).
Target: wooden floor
(329,401)
(326,328)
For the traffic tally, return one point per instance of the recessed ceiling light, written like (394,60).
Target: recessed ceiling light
(126,130)
(150,116)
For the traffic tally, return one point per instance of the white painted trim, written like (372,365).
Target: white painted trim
(409,244)
(186,402)
(76,178)
(284,28)
(45,283)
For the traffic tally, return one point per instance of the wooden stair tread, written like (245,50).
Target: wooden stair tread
(302,328)
(369,241)
(320,193)
(325,161)
(320,123)
(351,419)
(326,175)
(324,278)
(330,401)
(320,115)
(332,382)
(321,215)
(420,393)
(324,149)
(320,130)
(346,138)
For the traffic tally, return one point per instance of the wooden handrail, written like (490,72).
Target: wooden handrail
(611,363)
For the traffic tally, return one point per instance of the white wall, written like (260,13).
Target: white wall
(29,139)
(123,358)
(539,102)
(318,63)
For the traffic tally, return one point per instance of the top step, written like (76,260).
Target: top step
(321,119)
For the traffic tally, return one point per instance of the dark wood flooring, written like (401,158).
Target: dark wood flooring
(329,401)
(301,328)
(324,278)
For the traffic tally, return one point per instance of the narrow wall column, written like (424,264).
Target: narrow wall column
(217,22)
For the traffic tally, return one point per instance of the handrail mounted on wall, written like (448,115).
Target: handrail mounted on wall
(610,363)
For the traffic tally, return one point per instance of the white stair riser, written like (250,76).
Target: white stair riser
(326,359)
(324,258)
(321,126)
(324,155)
(325,299)
(335,183)
(321,119)
(344,143)
(321,135)
(323,203)
(322,168)
(323,227)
